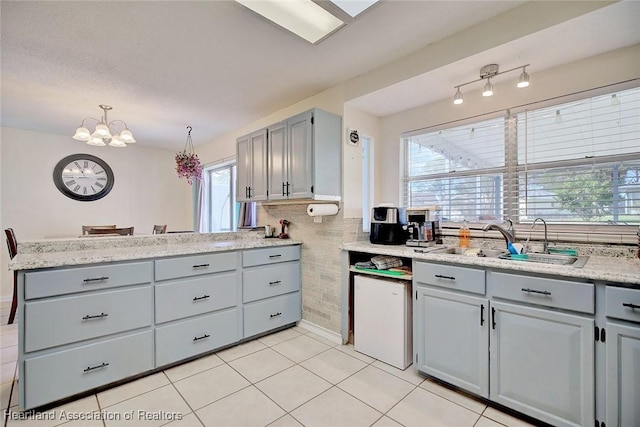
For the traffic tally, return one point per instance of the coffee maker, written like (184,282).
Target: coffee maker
(388,226)
(423,229)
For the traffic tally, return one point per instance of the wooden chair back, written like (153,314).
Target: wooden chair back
(86,228)
(123,231)
(159,229)
(12,243)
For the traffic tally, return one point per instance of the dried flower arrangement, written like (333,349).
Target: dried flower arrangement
(187,162)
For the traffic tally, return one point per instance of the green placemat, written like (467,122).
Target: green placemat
(390,273)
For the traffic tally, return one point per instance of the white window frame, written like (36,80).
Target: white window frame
(206,218)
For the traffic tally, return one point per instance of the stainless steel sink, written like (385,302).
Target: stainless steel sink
(572,260)
(489,253)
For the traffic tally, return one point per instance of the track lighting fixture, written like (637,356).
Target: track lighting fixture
(487,73)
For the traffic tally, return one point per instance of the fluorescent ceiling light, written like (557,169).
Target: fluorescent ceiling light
(301,17)
(354,7)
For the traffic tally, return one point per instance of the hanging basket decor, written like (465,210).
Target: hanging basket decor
(187,162)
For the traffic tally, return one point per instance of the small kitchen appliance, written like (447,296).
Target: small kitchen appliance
(283,232)
(423,231)
(388,226)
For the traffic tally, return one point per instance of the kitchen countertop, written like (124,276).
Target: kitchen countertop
(81,251)
(597,268)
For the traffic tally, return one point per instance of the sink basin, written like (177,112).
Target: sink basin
(572,260)
(490,253)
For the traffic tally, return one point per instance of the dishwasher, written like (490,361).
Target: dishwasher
(382,320)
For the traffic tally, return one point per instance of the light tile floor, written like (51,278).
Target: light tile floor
(290,378)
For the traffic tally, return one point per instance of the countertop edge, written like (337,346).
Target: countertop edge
(597,268)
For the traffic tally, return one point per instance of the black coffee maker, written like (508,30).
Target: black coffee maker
(388,226)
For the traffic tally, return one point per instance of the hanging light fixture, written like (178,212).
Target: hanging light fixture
(102,135)
(487,73)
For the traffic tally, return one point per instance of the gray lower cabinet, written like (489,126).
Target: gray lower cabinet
(528,343)
(451,338)
(271,286)
(542,363)
(87,327)
(623,357)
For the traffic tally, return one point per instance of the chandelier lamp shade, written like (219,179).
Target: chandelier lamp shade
(105,132)
(487,73)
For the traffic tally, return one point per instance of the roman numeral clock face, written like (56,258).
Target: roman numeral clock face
(83,177)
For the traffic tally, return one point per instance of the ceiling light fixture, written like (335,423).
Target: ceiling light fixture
(487,73)
(302,17)
(102,135)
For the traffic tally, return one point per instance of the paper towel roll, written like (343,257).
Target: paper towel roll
(322,209)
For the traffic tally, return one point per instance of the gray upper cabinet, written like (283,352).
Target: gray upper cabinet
(251,163)
(304,159)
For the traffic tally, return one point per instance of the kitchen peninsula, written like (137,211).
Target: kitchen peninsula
(94,312)
(555,342)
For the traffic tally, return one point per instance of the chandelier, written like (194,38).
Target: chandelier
(102,134)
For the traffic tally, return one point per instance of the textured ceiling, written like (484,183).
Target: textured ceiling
(213,65)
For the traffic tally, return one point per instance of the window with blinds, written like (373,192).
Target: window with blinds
(572,163)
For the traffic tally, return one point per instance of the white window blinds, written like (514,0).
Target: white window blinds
(572,163)
(579,162)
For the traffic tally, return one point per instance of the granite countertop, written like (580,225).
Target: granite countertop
(81,251)
(597,268)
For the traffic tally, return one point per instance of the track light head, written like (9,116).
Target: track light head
(523,81)
(488,88)
(457,98)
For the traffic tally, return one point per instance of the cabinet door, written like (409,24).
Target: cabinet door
(451,338)
(243,168)
(300,162)
(542,363)
(277,162)
(258,146)
(623,375)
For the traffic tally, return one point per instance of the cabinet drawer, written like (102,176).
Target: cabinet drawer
(69,319)
(270,255)
(40,284)
(541,291)
(195,296)
(450,277)
(173,268)
(194,336)
(623,303)
(267,282)
(261,316)
(65,373)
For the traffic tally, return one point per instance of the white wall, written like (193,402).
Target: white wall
(147,191)
(600,70)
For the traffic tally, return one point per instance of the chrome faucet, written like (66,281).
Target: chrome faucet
(545,245)
(509,237)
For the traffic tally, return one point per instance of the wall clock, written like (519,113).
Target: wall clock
(83,177)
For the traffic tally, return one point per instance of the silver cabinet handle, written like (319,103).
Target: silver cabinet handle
(534,291)
(96,279)
(275,315)
(276,282)
(203,297)
(93,368)
(205,336)
(95,316)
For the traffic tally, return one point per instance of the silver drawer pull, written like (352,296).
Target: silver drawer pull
(275,315)
(96,279)
(534,291)
(96,316)
(277,282)
(630,305)
(93,368)
(440,276)
(205,336)
(203,297)
(201,266)
(275,256)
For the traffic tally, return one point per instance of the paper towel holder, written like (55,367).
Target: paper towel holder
(317,211)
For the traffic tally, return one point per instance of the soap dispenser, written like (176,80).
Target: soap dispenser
(464,235)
